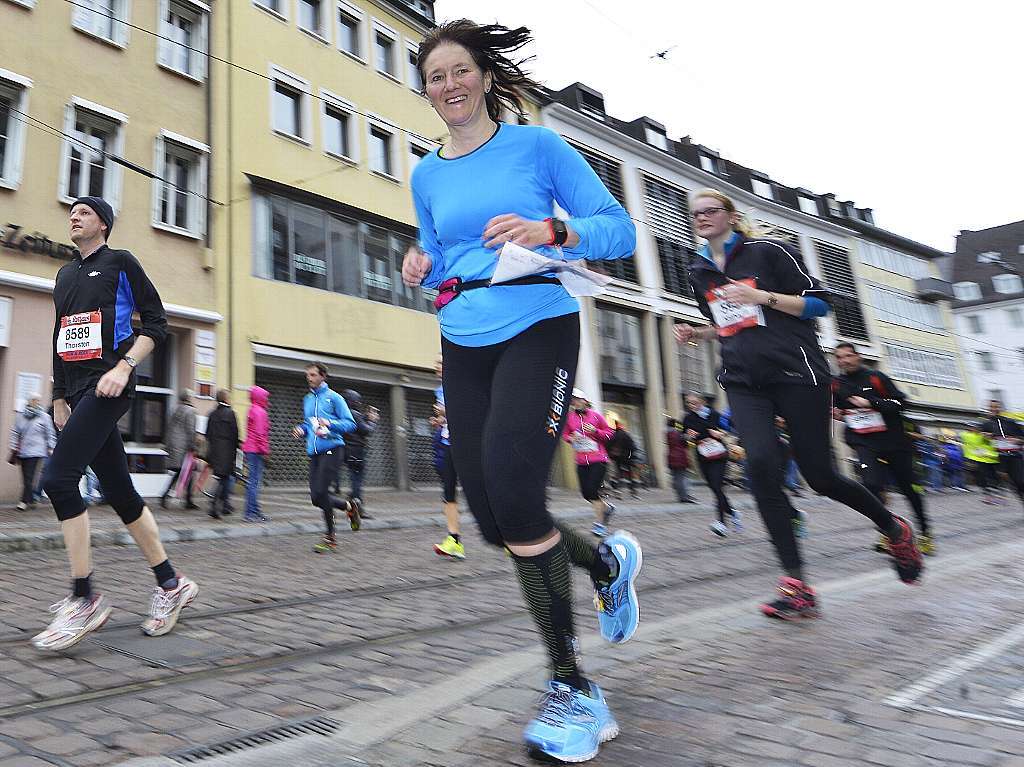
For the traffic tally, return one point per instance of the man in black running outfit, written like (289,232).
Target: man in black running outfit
(1008,439)
(872,407)
(95,351)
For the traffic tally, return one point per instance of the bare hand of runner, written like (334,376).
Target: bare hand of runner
(113,382)
(858,402)
(684,332)
(512,228)
(741,293)
(415,267)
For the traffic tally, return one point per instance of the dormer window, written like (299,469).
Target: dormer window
(708,163)
(762,188)
(656,139)
(834,208)
(966,291)
(808,205)
(1007,283)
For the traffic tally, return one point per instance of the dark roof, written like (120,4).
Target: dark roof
(1006,240)
(582,98)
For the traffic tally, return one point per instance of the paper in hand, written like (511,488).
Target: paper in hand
(516,261)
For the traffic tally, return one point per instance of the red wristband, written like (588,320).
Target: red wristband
(551,228)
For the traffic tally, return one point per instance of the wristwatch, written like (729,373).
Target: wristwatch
(559,231)
(132,362)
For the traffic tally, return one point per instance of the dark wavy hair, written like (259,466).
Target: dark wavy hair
(490,46)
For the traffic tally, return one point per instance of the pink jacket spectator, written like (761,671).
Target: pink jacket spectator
(257,428)
(596,439)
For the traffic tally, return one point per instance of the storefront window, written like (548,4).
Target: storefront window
(693,367)
(146,421)
(308,246)
(622,358)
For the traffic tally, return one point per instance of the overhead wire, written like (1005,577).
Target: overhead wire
(58,133)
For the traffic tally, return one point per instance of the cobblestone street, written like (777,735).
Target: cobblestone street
(385,654)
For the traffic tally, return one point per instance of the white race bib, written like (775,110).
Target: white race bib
(711,448)
(80,337)
(732,318)
(1006,445)
(582,444)
(865,421)
(318,428)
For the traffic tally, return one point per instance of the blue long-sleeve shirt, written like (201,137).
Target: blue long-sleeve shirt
(522,169)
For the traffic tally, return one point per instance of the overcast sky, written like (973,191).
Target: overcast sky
(912,108)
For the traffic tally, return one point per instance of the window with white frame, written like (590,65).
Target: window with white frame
(289,104)
(893,261)
(184,29)
(902,309)
(102,18)
(833,207)
(179,195)
(808,205)
(94,133)
(655,138)
(761,188)
(417,151)
(13,104)
(922,366)
(1016,317)
(986,361)
(966,291)
(708,163)
(350,29)
(381,149)
(974,325)
(385,50)
(1007,283)
(313,18)
(412,72)
(274,6)
(338,122)
(990,257)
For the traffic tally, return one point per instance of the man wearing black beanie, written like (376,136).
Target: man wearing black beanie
(95,351)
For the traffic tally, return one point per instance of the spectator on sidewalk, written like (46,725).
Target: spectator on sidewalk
(256,448)
(32,440)
(222,447)
(678,459)
(954,465)
(622,450)
(181,447)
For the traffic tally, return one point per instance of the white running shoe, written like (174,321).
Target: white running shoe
(75,618)
(167,605)
(719,529)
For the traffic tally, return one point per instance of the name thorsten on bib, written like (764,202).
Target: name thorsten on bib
(80,336)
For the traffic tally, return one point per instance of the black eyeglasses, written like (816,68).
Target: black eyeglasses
(706,212)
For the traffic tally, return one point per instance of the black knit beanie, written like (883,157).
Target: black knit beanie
(102,209)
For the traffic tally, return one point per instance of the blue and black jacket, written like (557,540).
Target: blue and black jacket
(323,402)
(113,282)
(785,349)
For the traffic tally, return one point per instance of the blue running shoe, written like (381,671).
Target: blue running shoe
(570,725)
(617,605)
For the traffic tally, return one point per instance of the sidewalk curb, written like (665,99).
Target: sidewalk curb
(12,543)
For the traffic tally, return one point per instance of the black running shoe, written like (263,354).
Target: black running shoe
(905,555)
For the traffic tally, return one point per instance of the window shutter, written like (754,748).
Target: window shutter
(835,263)
(200,200)
(610,173)
(201,56)
(159,168)
(81,17)
(65,155)
(668,219)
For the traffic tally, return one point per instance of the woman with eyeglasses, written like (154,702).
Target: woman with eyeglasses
(761,301)
(510,350)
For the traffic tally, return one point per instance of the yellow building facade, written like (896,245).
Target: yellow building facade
(69,111)
(318,128)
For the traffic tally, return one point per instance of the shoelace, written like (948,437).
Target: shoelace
(160,607)
(556,706)
(610,599)
(65,602)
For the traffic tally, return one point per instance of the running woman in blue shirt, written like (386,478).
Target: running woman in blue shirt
(510,351)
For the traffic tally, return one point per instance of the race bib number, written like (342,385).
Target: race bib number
(711,448)
(865,421)
(732,318)
(582,444)
(1006,446)
(318,428)
(80,337)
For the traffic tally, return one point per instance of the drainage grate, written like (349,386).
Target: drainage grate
(318,725)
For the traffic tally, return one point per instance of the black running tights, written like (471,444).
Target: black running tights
(808,414)
(714,475)
(900,465)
